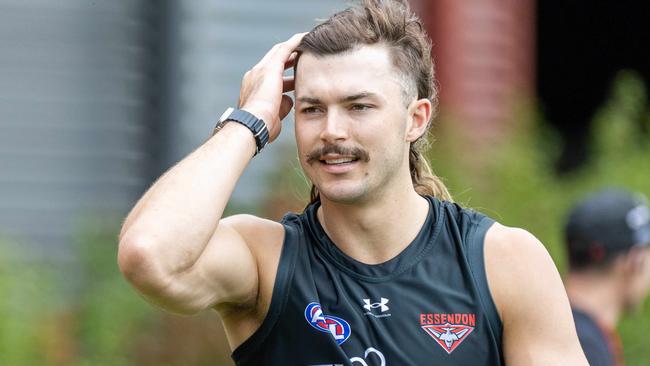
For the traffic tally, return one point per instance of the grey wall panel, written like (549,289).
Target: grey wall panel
(83,106)
(76,109)
(216,42)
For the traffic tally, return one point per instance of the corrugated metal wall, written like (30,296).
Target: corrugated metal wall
(215,43)
(76,103)
(93,106)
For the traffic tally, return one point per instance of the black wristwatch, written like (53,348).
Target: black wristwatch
(256,125)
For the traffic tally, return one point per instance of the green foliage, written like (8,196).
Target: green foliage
(26,290)
(85,313)
(110,313)
(68,314)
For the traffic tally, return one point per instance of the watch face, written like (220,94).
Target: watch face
(254,124)
(224,117)
(226,114)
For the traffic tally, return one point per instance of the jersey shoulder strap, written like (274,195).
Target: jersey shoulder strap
(474,246)
(472,227)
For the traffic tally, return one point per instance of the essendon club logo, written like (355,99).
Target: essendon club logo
(448,330)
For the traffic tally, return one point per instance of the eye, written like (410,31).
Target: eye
(360,107)
(310,110)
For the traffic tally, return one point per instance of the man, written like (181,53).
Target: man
(608,242)
(380,269)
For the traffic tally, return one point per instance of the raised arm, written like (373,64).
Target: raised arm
(174,246)
(538,327)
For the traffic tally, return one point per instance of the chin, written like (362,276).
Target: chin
(344,193)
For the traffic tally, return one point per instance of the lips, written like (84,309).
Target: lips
(334,155)
(337,164)
(337,161)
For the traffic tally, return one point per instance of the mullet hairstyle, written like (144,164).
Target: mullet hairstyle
(392,23)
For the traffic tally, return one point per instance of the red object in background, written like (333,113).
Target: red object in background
(484,53)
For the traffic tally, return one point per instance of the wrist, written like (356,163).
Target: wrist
(248,120)
(240,135)
(259,112)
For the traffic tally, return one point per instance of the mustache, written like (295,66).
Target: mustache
(356,152)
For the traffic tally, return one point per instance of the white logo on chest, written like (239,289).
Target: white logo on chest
(371,308)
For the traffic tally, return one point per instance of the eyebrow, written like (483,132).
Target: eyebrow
(346,99)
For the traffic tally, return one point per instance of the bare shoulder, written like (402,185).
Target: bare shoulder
(517,249)
(256,231)
(511,240)
(527,289)
(517,265)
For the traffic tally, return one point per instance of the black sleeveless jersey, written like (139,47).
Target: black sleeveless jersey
(430,305)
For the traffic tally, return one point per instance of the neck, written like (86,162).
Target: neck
(597,295)
(377,230)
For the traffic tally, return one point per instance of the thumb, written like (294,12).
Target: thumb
(285,106)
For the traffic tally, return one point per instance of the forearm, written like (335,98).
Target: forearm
(176,217)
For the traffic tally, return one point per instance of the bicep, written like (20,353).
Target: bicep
(225,273)
(537,321)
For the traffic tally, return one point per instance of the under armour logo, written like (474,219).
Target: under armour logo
(382,304)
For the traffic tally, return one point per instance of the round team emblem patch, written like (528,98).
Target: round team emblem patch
(337,327)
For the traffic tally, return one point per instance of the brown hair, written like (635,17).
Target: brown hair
(390,22)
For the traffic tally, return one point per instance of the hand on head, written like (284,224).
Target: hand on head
(263,86)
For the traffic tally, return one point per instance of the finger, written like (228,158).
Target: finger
(285,106)
(288,84)
(290,45)
(269,55)
(291,61)
(281,52)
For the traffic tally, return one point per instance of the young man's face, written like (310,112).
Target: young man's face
(351,122)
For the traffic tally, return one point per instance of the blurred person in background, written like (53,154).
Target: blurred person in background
(381,268)
(608,241)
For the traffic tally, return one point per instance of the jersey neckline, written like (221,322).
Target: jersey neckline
(413,253)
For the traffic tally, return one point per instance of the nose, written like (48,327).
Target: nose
(335,127)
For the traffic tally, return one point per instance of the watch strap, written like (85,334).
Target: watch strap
(256,125)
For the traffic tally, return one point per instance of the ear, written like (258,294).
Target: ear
(635,259)
(419,112)
(631,263)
